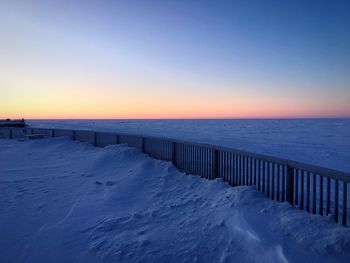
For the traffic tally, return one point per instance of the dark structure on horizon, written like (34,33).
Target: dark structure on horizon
(12,123)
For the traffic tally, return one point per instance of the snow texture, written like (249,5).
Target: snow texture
(67,201)
(323,142)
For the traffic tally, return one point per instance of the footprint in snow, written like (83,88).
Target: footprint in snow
(108,183)
(87,175)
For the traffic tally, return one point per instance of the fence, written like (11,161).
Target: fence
(311,188)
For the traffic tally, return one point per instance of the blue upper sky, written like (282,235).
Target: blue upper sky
(238,58)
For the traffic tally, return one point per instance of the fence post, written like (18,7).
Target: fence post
(290,185)
(173,154)
(10,135)
(215,172)
(95,139)
(52,133)
(74,136)
(143,144)
(344,203)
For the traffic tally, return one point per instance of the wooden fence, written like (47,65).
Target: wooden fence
(311,188)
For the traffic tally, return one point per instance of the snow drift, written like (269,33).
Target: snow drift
(66,201)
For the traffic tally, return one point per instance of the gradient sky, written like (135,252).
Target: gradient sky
(174,59)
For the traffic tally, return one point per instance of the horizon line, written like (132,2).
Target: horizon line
(197,118)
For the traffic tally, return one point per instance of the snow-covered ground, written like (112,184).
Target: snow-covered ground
(66,201)
(323,142)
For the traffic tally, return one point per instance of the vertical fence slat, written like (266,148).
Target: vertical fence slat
(233,170)
(289,185)
(181,156)
(273,182)
(207,163)
(187,161)
(243,170)
(238,181)
(188,147)
(344,214)
(321,195)
(308,191)
(278,182)
(228,167)
(221,164)
(336,200)
(263,176)
(246,170)
(231,173)
(230,170)
(254,171)
(240,170)
(188,158)
(236,169)
(251,170)
(283,183)
(184,155)
(194,155)
(201,165)
(259,171)
(197,160)
(173,154)
(296,188)
(302,190)
(143,146)
(328,205)
(192,160)
(210,163)
(215,163)
(221,167)
(224,165)
(314,193)
(268,179)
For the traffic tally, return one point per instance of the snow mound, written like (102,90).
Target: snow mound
(66,201)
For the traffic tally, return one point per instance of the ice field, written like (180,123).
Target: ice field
(322,142)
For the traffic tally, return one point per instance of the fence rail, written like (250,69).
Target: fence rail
(311,188)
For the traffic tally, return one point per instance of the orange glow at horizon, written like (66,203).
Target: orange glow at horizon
(138,108)
(141,99)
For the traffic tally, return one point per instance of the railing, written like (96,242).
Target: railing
(311,188)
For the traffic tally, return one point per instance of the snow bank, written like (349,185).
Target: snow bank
(65,201)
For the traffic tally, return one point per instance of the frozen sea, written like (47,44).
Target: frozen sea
(323,142)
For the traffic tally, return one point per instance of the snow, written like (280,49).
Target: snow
(67,201)
(323,142)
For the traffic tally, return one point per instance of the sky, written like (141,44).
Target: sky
(174,59)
